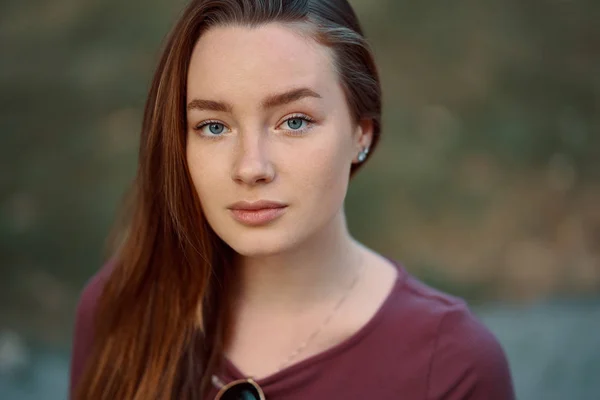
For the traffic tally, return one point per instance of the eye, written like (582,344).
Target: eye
(297,123)
(211,128)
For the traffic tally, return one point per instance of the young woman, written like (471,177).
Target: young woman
(237,277)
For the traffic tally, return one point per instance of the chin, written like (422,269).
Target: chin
(259,243)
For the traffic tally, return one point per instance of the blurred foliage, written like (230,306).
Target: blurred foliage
(486,182)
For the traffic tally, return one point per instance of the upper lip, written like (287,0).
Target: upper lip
(256,205)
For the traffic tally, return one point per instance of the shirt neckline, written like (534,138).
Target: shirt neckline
(232,371)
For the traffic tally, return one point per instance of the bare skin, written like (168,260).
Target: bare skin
(254,146)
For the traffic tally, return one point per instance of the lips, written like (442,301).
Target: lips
(257,205)
(257,213)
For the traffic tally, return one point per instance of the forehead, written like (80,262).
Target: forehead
(236,60)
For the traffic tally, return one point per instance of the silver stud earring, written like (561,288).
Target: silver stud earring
(362,156)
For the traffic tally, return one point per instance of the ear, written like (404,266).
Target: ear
(363,137)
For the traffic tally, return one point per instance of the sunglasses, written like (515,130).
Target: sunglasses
(242,389)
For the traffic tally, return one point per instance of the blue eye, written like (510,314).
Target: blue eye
(216,128)
(211,128)
(296,123)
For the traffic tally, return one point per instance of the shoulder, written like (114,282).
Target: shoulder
(88,299)
(93,287)
(467,361)
(84,321)
(463,358)
(424,306)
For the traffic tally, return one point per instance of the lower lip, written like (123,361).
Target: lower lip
(257,217)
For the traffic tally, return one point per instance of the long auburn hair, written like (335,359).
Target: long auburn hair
(161,321)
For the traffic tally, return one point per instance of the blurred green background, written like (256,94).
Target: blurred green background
(486,183)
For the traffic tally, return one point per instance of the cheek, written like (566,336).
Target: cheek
(204,175)
(325,173)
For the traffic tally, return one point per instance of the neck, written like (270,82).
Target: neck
(317,269)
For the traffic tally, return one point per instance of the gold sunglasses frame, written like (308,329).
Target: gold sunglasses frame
(224,388)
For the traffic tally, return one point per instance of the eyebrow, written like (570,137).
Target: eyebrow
(270,102)
(209,105)
(288,97)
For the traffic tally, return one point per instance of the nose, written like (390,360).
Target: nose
(252,165)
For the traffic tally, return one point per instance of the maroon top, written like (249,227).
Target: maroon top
(420,345)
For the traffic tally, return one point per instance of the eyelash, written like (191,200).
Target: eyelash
(303,117)
(199,127)
(291,132)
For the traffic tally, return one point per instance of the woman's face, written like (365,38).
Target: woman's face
(268,121)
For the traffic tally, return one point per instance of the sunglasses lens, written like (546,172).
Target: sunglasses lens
(241,391)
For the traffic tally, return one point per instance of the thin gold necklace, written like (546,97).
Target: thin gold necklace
(326,321)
